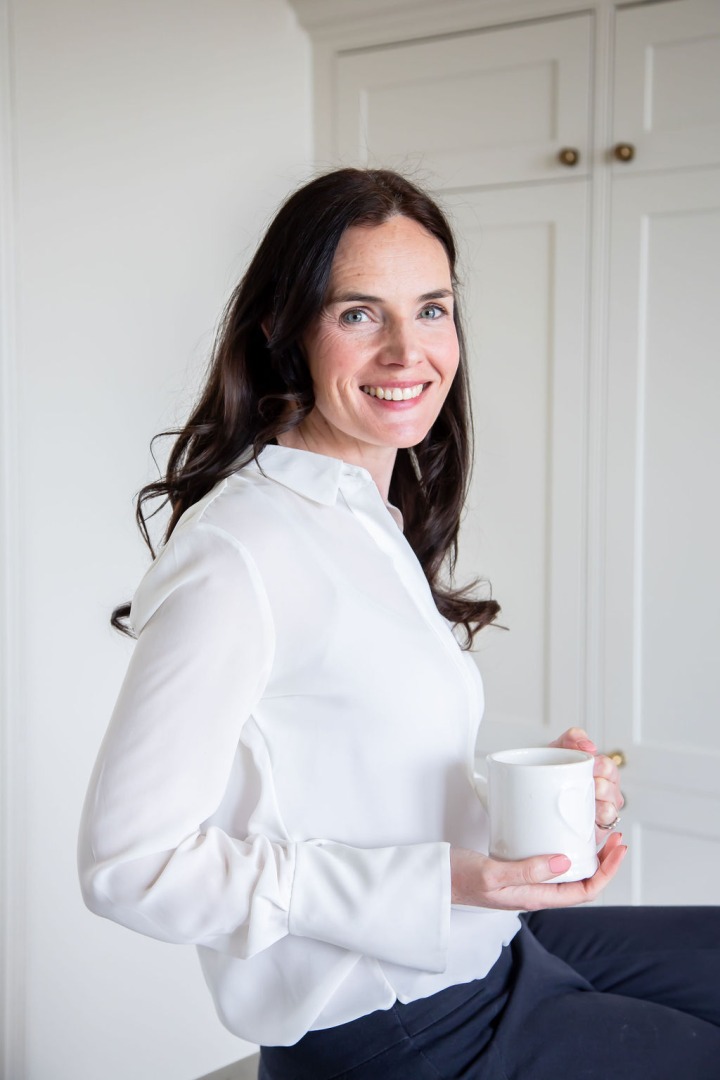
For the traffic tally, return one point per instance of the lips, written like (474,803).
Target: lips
(394,393)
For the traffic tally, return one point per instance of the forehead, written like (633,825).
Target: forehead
(399,249)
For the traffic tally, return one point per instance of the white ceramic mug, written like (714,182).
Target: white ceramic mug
(541,801)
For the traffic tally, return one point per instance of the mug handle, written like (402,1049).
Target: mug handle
(481,788)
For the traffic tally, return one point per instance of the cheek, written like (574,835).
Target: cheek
(451,358)
(448,350)
(454,359)
(450,371)
(334,367)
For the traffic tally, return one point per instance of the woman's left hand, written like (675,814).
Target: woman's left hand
(609,799)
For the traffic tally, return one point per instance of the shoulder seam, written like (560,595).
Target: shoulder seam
(216,491)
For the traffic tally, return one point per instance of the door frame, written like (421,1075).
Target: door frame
(12,757)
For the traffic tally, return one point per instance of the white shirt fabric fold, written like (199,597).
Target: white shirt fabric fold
(291,756)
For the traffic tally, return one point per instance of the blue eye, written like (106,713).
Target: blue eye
(432,311)
(354,316)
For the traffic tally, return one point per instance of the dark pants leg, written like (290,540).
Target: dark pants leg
(615,992)
(669,955)
(424,1040)
(582,994)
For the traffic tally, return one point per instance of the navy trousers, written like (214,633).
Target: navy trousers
(580,994)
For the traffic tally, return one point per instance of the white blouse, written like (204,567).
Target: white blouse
(290,758)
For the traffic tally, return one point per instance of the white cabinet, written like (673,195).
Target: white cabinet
(592,293)
(434,103)
(666,100)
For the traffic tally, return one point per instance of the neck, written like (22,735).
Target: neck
(378,460)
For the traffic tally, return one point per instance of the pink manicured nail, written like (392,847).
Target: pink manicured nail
(585,744)
(559,863)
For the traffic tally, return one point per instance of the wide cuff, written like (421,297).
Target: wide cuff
(392,904)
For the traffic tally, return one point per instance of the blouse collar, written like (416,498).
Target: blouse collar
(314,476)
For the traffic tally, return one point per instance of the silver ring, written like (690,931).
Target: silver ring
(610,826)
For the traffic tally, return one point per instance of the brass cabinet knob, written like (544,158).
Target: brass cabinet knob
(618,756)
(624,152)
(569,156)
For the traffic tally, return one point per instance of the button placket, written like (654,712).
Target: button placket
(365,503)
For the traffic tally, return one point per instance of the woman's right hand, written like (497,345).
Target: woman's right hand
(480,881)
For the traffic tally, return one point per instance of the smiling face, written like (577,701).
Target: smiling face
(384,350)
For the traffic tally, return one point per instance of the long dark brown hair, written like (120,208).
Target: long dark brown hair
(258,386)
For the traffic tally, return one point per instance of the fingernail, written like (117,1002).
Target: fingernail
(559,863)
(585,744)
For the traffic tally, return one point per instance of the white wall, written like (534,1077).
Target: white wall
(153,138)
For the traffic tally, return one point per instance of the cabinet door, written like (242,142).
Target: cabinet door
(667,84)
(478,108)
(662,628)
(524,293)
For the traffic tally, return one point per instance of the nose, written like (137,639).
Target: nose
(401,346)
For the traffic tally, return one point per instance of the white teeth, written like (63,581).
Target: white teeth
(396,393)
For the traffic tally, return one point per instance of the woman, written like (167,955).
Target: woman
(287,778)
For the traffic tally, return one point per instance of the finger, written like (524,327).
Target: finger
(605,766)
(614,840)
(606,791)
(575,738)
(570,893)
(606,769)
(605,813)
(536,897)
(607,861)
(534,871)
(610,860)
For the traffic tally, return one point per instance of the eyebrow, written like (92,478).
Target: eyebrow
(365,298)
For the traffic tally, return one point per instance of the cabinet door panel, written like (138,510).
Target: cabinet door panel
(667,84)
(524,292)
(472,109)
(674,849)
(662,631)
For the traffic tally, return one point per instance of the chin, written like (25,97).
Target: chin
(406,440)
(410,442)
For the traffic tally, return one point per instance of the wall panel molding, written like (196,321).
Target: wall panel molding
(416,18)
(12,941)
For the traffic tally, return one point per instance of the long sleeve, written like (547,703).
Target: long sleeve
(204,651)
(147,856)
